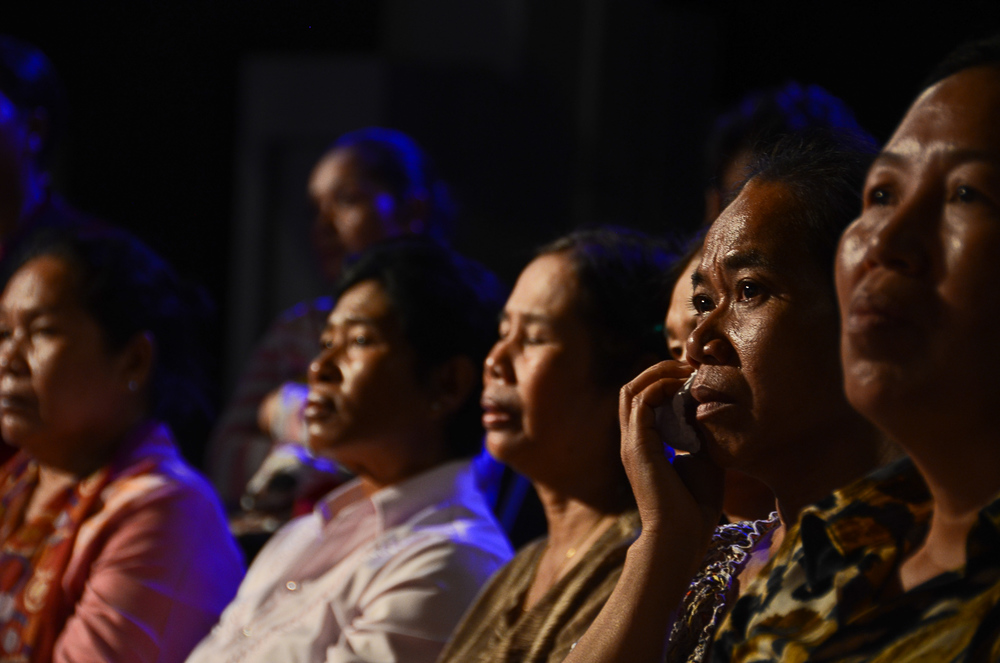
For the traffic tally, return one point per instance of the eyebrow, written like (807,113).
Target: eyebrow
(734,262)
(526,317)
(352,320)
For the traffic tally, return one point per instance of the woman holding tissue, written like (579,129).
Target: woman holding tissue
(768,395)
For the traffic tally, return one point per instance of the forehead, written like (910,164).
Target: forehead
(761,224)
(43,282)
(366,300)
(548,286)
(333,168)
(960,113)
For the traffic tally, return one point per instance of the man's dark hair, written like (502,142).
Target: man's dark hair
(825,172)
(30,81)
(976,53)
(622,275)
(448,307)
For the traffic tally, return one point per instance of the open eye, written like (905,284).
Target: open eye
(701,304)
(361,339)
(879,196)
(747,290)
(966,194)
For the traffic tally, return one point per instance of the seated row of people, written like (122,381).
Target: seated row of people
(804,378)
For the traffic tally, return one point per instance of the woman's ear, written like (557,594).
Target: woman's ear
(138,358)
(451,385)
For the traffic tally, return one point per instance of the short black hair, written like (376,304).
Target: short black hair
(825,171)
(397,162)
(29,80)
(975,53)
(128,290)
(623,280)
(448,306)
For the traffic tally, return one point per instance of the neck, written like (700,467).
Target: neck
(381,466)
(836,462)
(570,517)
(962,480)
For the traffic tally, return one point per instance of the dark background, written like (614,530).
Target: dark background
(541,114)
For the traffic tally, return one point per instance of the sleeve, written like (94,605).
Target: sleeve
(411,608)
(237,446)
(152,583)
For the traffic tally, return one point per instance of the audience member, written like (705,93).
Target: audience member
(760,119)
(769,400)
(111,547)
(584,316)
(745,498)
(385,565)
(879,572)
(373,184)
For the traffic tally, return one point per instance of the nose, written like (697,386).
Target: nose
(323,369)
(897,237)
(12,354)
(497,366)
(708,344)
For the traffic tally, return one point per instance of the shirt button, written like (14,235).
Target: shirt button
(291,585)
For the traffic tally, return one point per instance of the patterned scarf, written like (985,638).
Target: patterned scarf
(34,555)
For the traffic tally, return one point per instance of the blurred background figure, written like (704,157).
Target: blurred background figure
(32,120)
(384,566)
(110,544)
(584,317)
(759,120)
(371,185)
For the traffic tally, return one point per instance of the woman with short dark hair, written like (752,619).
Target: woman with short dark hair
(111,546)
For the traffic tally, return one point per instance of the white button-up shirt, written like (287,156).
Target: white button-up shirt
(384,578)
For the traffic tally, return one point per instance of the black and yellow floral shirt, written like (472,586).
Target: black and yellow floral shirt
(832,593)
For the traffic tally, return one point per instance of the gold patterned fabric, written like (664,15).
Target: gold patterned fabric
(495,630)
(832,592)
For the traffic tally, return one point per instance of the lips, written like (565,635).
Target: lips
(499,413)
(319,407)
(872,310)
(710,399)
(16,403)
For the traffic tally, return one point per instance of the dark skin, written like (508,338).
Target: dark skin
(916,277)
(547,417)
(770,404)
(367,407)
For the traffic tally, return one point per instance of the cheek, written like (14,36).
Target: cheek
(356,226)
(850,256)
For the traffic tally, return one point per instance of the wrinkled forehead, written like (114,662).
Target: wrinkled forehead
(763,221)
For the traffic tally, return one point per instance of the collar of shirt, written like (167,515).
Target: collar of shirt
(882,515)
(396,504)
